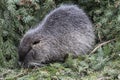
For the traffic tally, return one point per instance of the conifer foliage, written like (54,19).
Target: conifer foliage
(17,16)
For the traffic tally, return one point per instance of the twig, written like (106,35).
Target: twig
(99,45)
(21,74)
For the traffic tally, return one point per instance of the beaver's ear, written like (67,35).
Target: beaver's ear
(36,42)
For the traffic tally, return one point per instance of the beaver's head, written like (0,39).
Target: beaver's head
(33,50)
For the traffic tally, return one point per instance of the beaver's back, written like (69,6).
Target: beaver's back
(66,19)
(71,27)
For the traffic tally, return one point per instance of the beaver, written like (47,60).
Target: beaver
(65,30)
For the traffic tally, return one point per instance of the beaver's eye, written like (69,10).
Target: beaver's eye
(36,42)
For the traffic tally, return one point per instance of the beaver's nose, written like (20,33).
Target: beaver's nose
(19,64)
